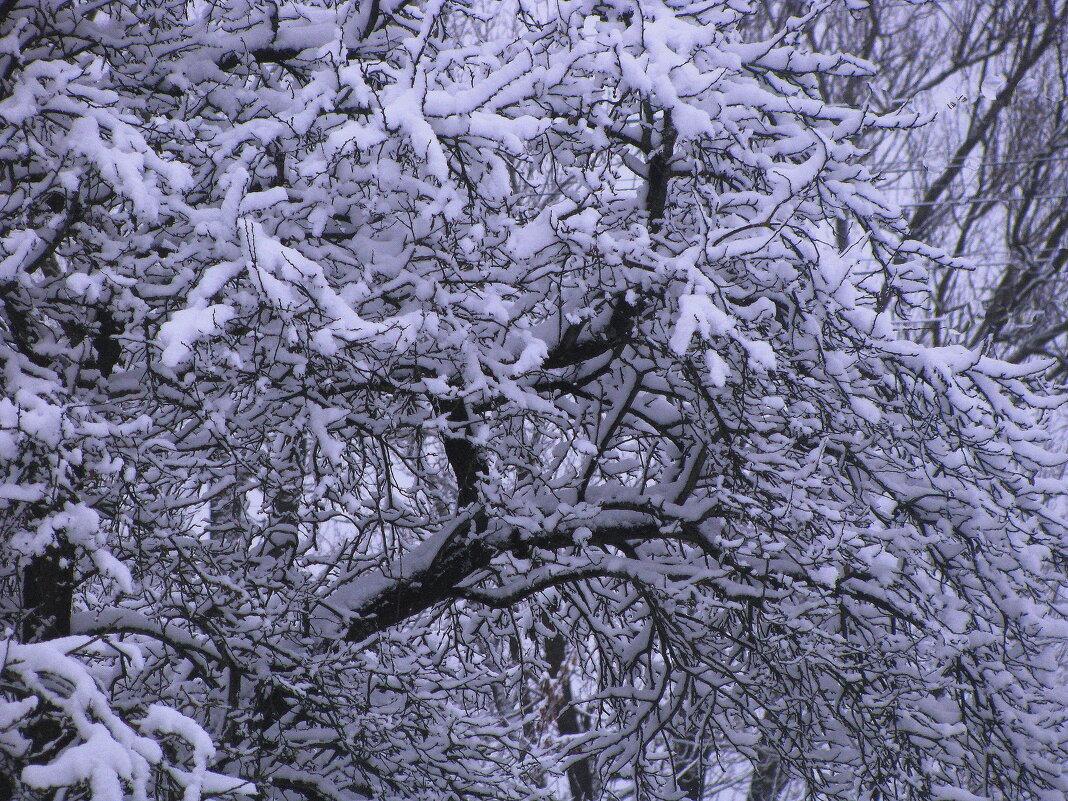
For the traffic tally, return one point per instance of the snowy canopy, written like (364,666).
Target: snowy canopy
(417,403)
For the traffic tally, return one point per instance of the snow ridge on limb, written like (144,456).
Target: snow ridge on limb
(105,753)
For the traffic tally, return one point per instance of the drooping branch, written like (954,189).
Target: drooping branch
(434,572)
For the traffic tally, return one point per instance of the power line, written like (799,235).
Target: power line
(1043,253)
(1038,263)
(964,163)
(970,200)
(948,202)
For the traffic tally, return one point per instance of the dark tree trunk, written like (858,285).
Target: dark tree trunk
(47,601)
(768,778)
(48,594)
(691,777)
(580,777)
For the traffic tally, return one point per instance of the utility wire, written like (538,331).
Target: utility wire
(970,200)
(963,163)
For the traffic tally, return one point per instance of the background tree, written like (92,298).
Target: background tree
(985,179)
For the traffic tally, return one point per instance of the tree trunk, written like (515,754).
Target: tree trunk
(48,594)
(768,778)
(580,777)
(690,778)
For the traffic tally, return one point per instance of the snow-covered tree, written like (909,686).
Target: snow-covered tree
(401,406)
(986,177)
